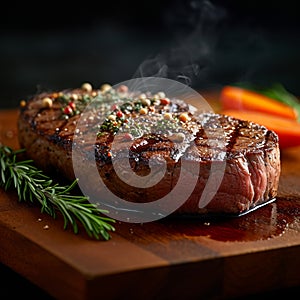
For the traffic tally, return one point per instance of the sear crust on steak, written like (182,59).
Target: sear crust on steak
(249,152)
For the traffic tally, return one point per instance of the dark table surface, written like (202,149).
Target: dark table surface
(10,280)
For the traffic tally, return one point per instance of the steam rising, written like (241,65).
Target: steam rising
(191,51)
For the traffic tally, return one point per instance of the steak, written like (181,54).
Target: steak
(216,164)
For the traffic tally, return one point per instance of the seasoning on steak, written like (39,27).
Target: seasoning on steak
(160,128)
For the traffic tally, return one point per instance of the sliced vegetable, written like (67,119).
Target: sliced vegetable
(241,99)
(276,91)
(288,130)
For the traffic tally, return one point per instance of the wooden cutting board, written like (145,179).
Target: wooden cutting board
(166,259)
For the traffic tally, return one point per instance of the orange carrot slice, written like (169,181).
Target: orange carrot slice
(288,130)
(237,98)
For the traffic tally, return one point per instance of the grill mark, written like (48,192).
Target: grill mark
(233,137)
(56,137)
(150,146)
(33,122)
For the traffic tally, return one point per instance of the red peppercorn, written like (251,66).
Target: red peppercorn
(72,105)
(122,89)
(119,114)
(165,101)
(68,110)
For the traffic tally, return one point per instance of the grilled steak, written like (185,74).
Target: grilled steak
(142,130)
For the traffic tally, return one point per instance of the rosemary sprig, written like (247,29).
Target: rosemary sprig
(33,185)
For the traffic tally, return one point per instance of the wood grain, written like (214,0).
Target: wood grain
(170,258)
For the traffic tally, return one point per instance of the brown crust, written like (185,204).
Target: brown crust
(252,153)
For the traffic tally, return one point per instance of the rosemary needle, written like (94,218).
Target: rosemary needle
(33,185)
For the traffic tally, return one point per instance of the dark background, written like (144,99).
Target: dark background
(205,44)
